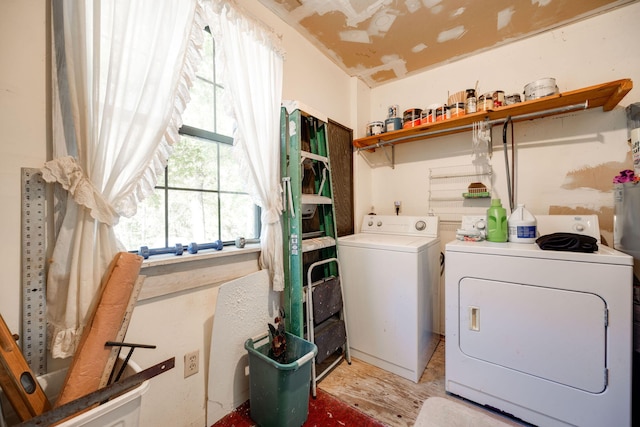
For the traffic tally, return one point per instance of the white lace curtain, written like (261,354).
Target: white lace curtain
(121,75)
(253,67)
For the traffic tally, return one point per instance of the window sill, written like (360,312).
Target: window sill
(168,274)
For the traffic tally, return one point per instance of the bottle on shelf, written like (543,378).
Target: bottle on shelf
(522,226)
(497,222)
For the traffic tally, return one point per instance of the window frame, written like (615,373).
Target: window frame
(163,188)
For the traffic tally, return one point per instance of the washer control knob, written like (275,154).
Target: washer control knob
(379,224)
(481,225)
(579,228)
(421,225)
(370,223)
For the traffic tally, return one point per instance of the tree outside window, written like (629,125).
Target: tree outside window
(200,197)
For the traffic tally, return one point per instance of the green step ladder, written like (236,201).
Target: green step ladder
(313,296)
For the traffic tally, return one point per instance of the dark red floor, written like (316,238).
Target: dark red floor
(324,411)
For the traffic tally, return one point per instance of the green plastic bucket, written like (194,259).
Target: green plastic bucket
(279,392)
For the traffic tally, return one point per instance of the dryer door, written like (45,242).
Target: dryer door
(558,335)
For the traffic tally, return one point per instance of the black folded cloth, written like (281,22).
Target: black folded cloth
(570,242)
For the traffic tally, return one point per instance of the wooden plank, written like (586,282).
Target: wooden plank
(616,97)
(115,351)
(17,380)
(90,360)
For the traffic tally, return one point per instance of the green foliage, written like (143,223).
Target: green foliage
(205,194)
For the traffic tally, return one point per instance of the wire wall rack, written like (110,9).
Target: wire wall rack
(459,190)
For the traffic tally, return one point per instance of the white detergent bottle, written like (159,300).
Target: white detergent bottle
(522,226)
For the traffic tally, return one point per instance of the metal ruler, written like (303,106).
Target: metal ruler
(33,252)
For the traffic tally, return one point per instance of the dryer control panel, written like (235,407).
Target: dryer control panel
(578,224)
(399,224)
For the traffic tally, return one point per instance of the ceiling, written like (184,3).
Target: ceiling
(384,40)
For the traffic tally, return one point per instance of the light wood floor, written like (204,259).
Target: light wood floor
(389,398)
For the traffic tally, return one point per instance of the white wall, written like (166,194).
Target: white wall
(24,123)
(309,76)
(564,163)
(177,323)
(590,52)
(587,53)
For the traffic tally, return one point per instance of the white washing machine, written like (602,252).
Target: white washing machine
(542,335)
(390,274)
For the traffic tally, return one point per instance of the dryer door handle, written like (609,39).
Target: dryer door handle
(474,318)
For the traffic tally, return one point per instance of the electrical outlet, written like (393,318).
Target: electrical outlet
(191,363)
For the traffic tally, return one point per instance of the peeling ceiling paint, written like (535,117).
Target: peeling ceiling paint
(384,40)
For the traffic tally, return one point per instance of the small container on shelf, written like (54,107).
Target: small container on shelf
(375,128)
(425,116)
(476,190)
(392,122)
(498,98)
(513,98)
(411,118)
(442,113)
(485,102)
(457,110)
(471,105)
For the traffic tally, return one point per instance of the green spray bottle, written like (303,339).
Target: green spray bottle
(497,230)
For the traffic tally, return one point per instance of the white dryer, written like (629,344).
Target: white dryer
(542,335)
(390,274)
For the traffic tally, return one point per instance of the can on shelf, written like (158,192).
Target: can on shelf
(513,98)
(375,128)
(457,110)
(485,102)
(498,98)
(411,118)
(392,123)
(471,104)
(540,88)
(442,113)
(425,116)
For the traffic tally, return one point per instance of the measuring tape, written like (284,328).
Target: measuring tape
(33,246)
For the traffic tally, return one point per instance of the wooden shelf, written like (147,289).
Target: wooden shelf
(606,95)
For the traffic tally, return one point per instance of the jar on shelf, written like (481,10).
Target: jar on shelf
(375,128)
(424,116)
(514,98)
(457,110)
(485,102)
(442,113)
(498,98)
(392,123)
(411,118)
(471,103)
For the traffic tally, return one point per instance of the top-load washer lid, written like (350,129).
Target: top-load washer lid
(394,232)
(389,242)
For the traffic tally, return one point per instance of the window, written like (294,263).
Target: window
(200,197)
